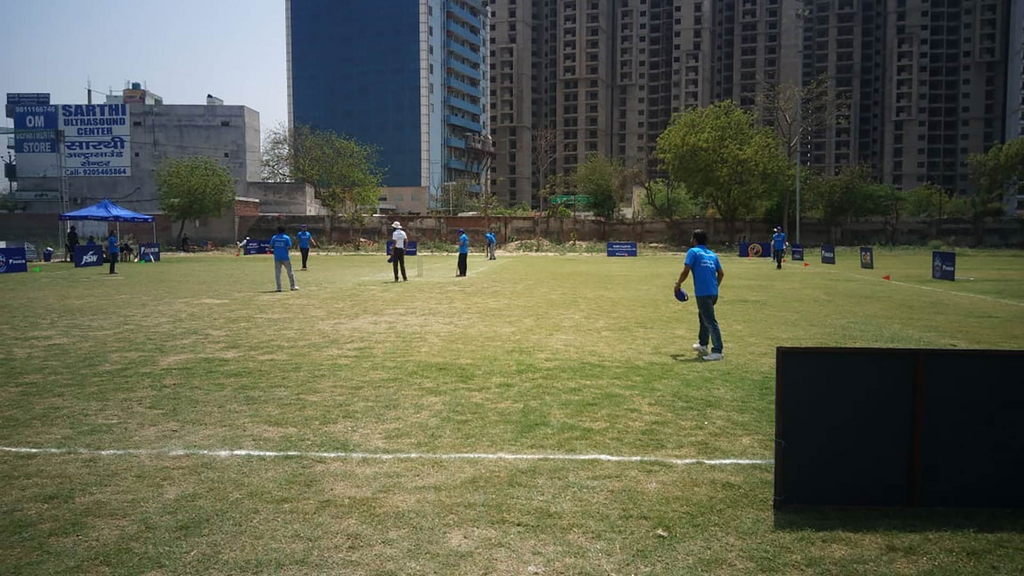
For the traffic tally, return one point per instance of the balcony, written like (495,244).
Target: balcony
(460,86)
(456,29)
(462,104)
(463,69)
(456,164)
(455,143)
(480,144)
(463,123)
(465,52)
(463,15)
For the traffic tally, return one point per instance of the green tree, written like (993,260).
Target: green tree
(343,172)
(605,180)
(456,197)
(996,173)
(669,200)
(194,187)
(849,194)
(724,158)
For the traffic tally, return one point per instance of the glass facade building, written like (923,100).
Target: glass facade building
(408,76)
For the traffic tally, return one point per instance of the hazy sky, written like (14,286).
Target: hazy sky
(181,49)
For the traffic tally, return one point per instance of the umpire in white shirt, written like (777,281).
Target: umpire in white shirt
(398,250)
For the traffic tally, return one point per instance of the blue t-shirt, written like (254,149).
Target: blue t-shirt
(490,238)
(281,243)
(304,237)
(779,241)
(704,266)
(463,244)
(112,245)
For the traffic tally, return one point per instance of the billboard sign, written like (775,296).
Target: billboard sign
(97,139)
(28,98)
(867,257)
(256,247)
(755,250)
(35,141)
(798,252)
(944,266)
(13,260)
(86,256)
(828,254)
(621,249)
(149,252)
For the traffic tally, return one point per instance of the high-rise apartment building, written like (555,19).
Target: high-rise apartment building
(409,77)
(551,69)
(916,86)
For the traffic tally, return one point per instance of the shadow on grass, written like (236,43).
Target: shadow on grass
(827,519)
(685,357)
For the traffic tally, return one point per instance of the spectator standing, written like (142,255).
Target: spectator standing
(72,242)
(779,246)
(305,238)
(184,242)
(280,244)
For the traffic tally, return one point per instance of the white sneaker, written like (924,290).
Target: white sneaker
(700,349)
(294,288)
(714,357)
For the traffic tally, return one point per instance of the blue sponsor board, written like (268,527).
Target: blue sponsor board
(13,260)
(944,266)
(257,247)
(28,98)
(798,252)
(828,254)
(621,249)
(149,252)
(755,250)
(867,257)
(86,256)
(35,129)
(410,247)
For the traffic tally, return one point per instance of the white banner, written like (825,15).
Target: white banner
(97,139)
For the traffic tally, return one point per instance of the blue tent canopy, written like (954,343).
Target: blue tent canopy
(106,211)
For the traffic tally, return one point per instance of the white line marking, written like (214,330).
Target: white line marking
(953,292)
(385,456)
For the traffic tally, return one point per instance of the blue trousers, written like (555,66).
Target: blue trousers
(708,323)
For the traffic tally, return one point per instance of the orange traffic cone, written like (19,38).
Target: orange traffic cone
(887,277)
(806,264)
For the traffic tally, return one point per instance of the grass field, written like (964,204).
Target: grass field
(528,355)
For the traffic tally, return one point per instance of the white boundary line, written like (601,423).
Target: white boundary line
(951,292)
(385,456)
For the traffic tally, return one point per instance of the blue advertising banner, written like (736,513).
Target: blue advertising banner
(28,98)
(828,254)
(410,247)
(86,256)
(35,129)
(798,252)
(621,249)
(149,252)
(257,247)
(13,260)
(867,257)
(944,266)
(755,250)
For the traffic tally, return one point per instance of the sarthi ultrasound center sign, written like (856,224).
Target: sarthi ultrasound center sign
(97,139)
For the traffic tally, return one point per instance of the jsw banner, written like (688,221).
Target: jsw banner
(410,248)
(86,256)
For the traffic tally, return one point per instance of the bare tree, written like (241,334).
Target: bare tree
(801,111)
(545,152)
